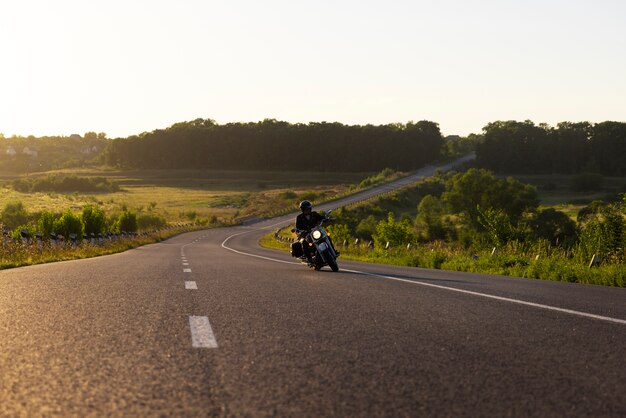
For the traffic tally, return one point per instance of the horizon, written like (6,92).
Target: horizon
(125,69)
(444,135)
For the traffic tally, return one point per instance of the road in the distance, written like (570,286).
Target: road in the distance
(112,336)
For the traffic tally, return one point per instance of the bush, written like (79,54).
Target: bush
(339,233)
(150,221)
(46,222)
(65,184)
(554,226)
(94,220)
(69,223)
(429,218)
(385,175)
(604,233)
(14,214)
(288,195)
(395,233)
(127,222)
(17,232)
(479,190)
(189,215)
(312,196)
(590,210)
(366,227)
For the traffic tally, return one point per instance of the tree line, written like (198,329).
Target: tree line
(525,148)
(276,145)
(27,154)
(513,147)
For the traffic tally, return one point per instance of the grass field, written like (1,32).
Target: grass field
(555,191)
(189,194)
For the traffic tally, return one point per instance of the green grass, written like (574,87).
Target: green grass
(175,194)
(517,260)
(555,190)
(17,254)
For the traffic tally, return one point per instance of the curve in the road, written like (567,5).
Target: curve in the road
(414,282)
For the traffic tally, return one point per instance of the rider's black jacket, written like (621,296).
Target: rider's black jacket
(313,220)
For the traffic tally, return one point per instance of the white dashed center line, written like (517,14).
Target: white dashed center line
(191,285)
(201,332)
(186,270)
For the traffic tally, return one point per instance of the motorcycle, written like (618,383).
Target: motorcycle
(318,245)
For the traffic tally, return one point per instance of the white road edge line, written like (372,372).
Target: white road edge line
(201,333)
(189,285)
(415,282)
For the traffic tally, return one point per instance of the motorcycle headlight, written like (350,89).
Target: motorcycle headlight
(317,234)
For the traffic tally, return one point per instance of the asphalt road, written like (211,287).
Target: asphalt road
(209,324)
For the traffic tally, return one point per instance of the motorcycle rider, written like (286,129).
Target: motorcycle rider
(306,221)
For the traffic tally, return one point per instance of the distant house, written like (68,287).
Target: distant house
(88,150)
(11,151)
(28,151)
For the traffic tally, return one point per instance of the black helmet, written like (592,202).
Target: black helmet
(305,204)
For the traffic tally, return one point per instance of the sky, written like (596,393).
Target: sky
(130,66)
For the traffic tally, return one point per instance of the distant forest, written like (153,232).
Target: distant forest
(505,147)
(274,145)
(524,148)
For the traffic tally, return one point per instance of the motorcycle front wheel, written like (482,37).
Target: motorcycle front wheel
(332,262)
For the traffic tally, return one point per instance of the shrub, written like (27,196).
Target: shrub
(127,222)
(46,222)
(65,184)
(395,233)
(288,195)
(604,233)
(554,226)
(14,214)
(590,210)
(339,233)
(430,218)
(366,228)
(94,219)
(150,221)
(499,227)
(312,196)
(69,223)
(189,215)
(385,175)
(479,190)
(17,232)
